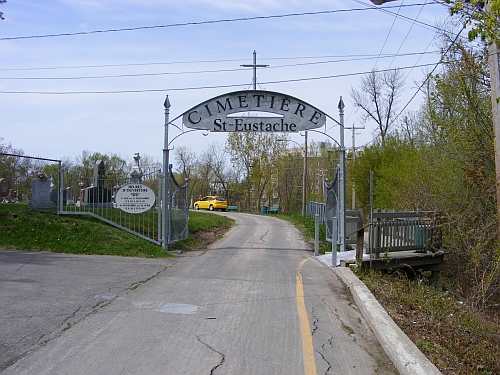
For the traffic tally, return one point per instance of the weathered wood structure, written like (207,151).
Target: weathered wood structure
(402,239)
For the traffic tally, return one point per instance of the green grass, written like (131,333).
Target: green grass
(306,226)
(25,229)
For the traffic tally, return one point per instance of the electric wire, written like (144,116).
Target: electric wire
(354,56)
(214,86)
(217,70)
(408,33)
(423,83)
(390,30)
(209,22)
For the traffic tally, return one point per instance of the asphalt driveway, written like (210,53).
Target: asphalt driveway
(42,293)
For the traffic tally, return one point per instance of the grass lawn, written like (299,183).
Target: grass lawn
(25,229)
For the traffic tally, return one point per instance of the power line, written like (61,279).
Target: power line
(429,75)
(217,70)
(408,33)
(385,10)
(354,57)
(423,83)
(210,22)
(211,87)
(390,30)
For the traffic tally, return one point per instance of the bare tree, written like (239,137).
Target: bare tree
(1,13)
(377,98)
(220,168)
(186,158)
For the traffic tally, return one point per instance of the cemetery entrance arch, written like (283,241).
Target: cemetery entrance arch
(254,111)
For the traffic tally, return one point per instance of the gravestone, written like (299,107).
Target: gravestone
(54,196)
(136,171)
(98,195)
(69,195)
(4,187)
(40,194)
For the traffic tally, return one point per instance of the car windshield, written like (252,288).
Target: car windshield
(220,199)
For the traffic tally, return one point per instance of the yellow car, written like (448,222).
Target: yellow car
(211,203)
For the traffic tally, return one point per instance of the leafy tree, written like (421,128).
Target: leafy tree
(459,109)
(479,17)
(16,169)
(289,180)
(254,153)
(117,169)
(442,158)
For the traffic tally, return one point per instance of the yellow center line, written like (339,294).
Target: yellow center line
(305,330)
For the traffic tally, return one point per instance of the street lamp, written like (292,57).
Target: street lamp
(304,172)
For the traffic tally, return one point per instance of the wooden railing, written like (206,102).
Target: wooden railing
(404,230)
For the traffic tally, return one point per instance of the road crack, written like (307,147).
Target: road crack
(324,347)
(262,237)
(74,318)
(223,357)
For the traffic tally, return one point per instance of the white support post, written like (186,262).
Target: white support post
(165,204)
(342,183)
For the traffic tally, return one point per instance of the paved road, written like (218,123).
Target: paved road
(256,302)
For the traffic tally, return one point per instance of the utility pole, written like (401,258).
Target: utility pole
(254,66)
(495,94)
(353,128)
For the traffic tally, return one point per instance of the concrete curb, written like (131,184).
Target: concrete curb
(405,355)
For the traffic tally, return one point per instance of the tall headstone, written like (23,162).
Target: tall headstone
(4,187)
(40,194)
(98,195)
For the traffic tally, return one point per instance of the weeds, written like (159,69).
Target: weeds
(458,339)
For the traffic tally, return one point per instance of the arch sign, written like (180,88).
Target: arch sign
(248,111)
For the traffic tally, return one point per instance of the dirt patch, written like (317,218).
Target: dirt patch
(202,239)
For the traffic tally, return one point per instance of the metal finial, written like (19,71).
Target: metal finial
(341,104)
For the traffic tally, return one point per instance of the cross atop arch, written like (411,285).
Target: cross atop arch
(254,66)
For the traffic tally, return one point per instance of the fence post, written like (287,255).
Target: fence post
(360,239)
(316,235)
(60,190)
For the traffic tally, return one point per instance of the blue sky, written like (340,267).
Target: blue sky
(104,91)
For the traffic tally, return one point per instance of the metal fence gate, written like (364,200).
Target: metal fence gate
(331,209)
(179,214)
(94,196)
(81,192)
